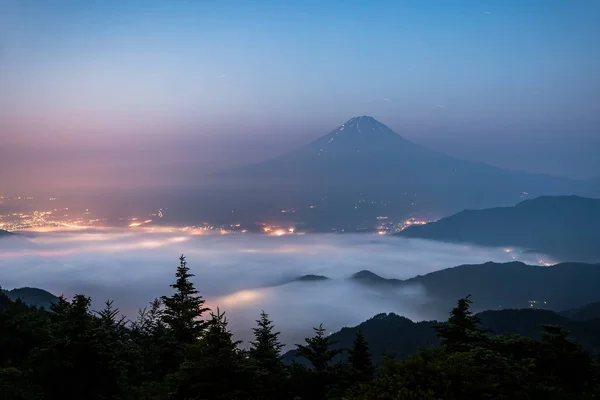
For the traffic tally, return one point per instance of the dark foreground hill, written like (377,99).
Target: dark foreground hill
(566,227)
(503,285)
(32,296)
(395,336)
(4,233)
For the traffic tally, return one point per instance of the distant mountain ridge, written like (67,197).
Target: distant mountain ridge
(494,285)
(502,285)
(566,227)
(366,276)
(311,278)
(4,233)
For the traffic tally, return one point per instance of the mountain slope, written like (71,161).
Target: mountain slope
(32,296)
(396,336)
(563,226)
(4,233)
(363,153)
(502,285)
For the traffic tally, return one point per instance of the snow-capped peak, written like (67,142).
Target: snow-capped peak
(364,125)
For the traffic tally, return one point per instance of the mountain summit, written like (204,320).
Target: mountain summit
(360,146)
(362,126)
(362,155)
(356,135)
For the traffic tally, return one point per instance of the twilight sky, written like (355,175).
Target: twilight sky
(121,91)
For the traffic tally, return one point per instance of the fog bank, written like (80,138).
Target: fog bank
(241,274)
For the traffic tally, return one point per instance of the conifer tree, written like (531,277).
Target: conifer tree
(82,358)
(318,350)
(109,316)
(462,328)
(360,358)
(185,307)
(265,352)
(214,367)
(160,354)
(266,347)
(322,378)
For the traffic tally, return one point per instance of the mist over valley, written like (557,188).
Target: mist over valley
(242,274)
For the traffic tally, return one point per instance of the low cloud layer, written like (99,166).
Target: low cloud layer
(241,274)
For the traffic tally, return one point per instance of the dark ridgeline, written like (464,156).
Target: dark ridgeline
(494,285)
(175,350)
(502,285)
(565,227)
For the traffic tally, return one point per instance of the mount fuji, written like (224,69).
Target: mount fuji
(363,154)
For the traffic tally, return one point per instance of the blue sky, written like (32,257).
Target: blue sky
(453,75)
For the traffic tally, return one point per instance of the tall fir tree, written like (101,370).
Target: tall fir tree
(323,378)
(183,310)
(160,356)
(462,328)
(318,350)
(109,316)
(265,352)
(214,367)
(83,358)
(265,349)
(359,358)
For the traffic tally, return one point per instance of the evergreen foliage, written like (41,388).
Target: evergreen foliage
(214,367)
(265,353)
(360,359)
(322,378)
(184,308)
(462,329)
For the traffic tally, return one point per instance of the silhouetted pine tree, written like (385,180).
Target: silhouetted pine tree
(462,328)
(160,354)
(318,350)
(359,358)
(323,377)
(83,358)
(184,308)
(109,316)
(265,352)
(214,367)
(266,347)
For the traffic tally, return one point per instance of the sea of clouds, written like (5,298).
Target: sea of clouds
(241,274)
